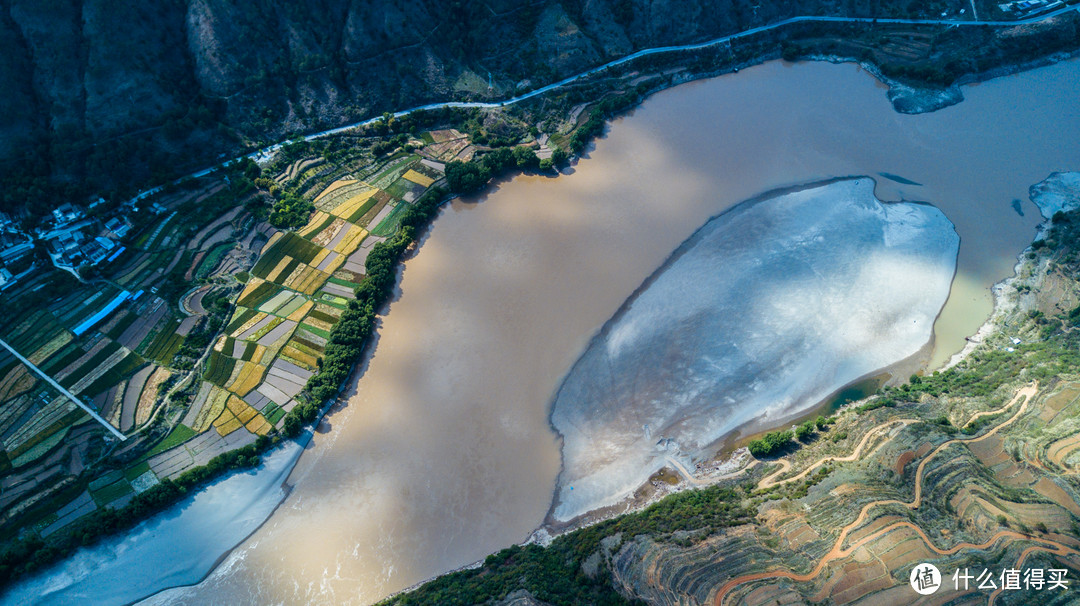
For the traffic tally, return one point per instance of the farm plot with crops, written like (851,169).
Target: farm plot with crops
(389,225)
(336,198)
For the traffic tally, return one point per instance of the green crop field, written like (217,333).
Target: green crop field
(110,493)
(219,368)
(81,304)
(288,269)
(41,447)
(322,315)
(276,416)
(33,332)
(62,358)
(345,283)
(136,470)
(90,364)
(315,347)
(393,170)
(260,294)
(212,258)
(165,345)
(240,317)
(317,331)
(364,208)
(389,225)
(333,300)
(180,434)
(119,328)
(399,188)
(290,245)
(120,371)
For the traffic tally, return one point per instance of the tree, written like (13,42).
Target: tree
(559,157)
(292,425)
(525,158)
(770,443)
(466,177)
(804,431)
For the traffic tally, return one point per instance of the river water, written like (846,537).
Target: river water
(445,454)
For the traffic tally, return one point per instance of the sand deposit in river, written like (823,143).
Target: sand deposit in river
(764,312)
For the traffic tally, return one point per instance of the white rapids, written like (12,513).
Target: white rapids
(764,312)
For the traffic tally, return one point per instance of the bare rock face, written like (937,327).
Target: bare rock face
(520,597)
(763,313)
(1060,192)
(102,95)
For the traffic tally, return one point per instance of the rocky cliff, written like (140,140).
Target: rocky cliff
(103,96)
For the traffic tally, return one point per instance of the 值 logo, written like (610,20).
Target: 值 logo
(925,579)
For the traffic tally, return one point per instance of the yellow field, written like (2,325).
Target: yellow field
(297,276)
(227,423)
(241,409)
(246,378)
(260,351)
(280,267)
(274,238)
(16,382)
(335,185)
(316,220)
(250,287)
(299,314)
(299,357)
(320,257)
(351,240)
(211,410)
(313,281)
(335,264)
(252,322)
(317,323)
(418,178)
(246,415)
(258,425)
(50,348)
(348,207)
(149,395)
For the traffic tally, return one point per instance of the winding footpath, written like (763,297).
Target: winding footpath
(839,551)
(770,480)
(265,153)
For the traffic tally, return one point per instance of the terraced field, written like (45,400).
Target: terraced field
(197,340)
(272,343)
